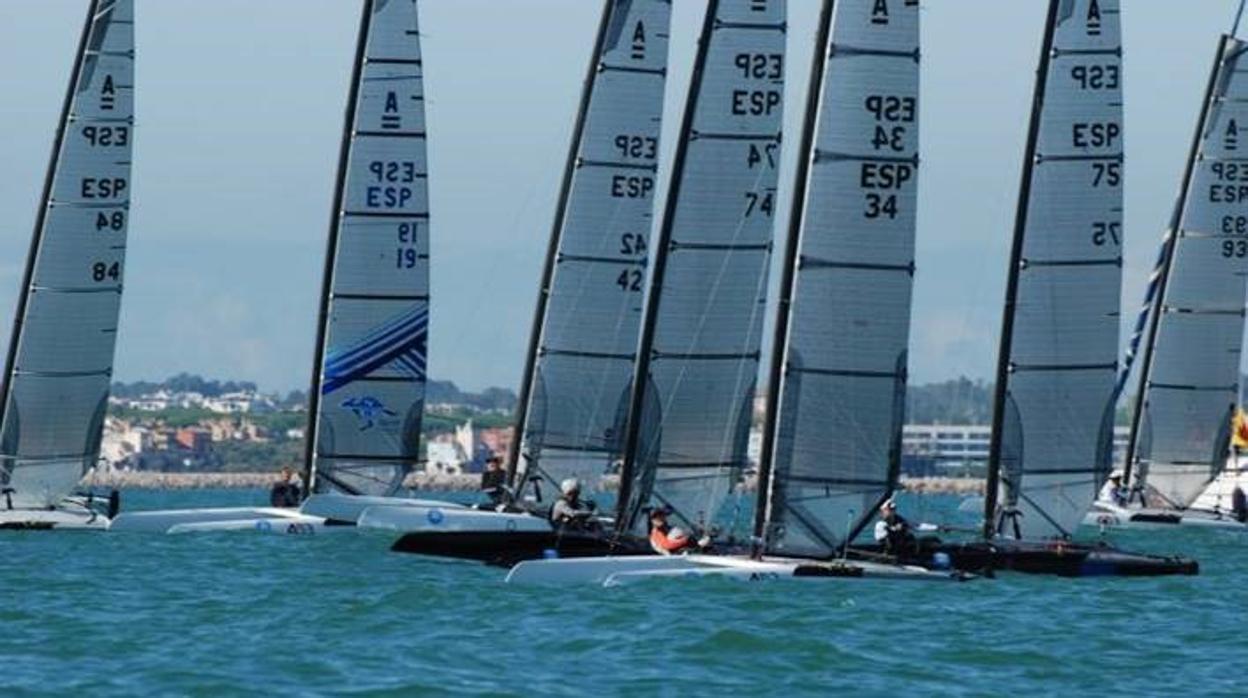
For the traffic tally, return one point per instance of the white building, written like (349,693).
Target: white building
(962,445)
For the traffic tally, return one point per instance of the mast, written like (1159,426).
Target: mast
(552,247)
(818,63)
(36,239)
(1172,238)
(1001,389)
(645,345)
(327,278)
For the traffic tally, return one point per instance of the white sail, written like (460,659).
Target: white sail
(1190,373)
(699,353)
(838,417)
(590,307)
(1054,412)
(60,358)
(370,373)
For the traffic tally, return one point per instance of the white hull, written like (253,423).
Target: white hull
(341,507)
(449,518)
(1109,515)
(161,521)
(295,525)
(74,519)
(314,512)
(615,571)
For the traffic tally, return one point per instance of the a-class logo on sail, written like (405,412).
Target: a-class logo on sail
(369,410)
(1094,19)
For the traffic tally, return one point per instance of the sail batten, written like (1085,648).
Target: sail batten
(61,350)
(690,409)
(584,336)
(1054,405)
(370,372)
(1189,373)
(831,450)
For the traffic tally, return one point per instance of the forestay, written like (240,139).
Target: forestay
(60,359)
(370,371)
(589,311)
(699,351)
(835,447)
(1054,412)
(1191,380)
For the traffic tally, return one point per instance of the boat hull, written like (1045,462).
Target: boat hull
(1062,559)
(1106,515)
(319,512)
(507,548)
(438,517)
(618,571)
(52,519)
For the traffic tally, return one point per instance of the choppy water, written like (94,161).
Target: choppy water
(232,614)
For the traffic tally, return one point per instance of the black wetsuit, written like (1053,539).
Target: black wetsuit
(284,494)
(1239,505)
(492,483)
(900,539)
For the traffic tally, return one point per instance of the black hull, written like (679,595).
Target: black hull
(1057,558)
(506,548)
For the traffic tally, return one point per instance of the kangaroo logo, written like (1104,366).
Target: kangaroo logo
(368,410)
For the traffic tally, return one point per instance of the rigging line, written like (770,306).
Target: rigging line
(1239,14)
(760,290)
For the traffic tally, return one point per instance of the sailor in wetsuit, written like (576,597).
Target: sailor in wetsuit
(285,492)
(1113,491)
(1239,505)
(494,480)
(569,510)
(669,540)
(893,532)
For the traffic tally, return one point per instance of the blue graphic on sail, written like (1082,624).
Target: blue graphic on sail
(1142,320)
(368,410)
(399,342)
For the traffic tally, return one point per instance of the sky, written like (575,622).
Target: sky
(239,115)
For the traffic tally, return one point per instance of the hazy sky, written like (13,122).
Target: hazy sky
(239,109)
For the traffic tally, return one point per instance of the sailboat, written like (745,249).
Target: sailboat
(576,386)
(1053,409)
(831,450)
(1185,406)
(690,403)
(369,371)
(60,359)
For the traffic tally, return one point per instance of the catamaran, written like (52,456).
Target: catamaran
(368,382)
(60,358)
(1185,406)
(576,386)
(1053,409)
(831,451)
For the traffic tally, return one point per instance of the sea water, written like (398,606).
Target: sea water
(236,614)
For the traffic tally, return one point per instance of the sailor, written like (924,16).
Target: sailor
(494,480)
(893,532)
(1239,504)
(569,510)
(285,492)
(1113,491)
(669,540)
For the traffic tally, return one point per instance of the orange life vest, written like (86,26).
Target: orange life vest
(664,544)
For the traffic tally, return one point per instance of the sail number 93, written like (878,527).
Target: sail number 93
(1235,225)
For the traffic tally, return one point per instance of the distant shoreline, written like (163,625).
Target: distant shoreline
(427,482)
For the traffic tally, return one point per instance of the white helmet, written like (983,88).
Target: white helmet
(676,532)
(570,485)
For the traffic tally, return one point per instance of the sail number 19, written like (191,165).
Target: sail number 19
(406,255)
